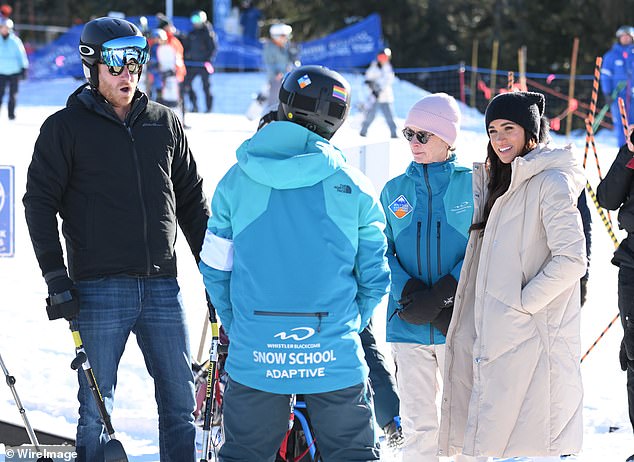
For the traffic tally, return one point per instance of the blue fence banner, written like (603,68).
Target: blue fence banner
(353,46)
(7,211)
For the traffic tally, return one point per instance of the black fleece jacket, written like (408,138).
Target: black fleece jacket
(616,191)
(120,189)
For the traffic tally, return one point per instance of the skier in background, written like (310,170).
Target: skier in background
(379,77)
(14,63)
(201,46)
(616,78)
(279,56)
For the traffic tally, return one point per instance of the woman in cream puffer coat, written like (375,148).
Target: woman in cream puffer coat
(512,384)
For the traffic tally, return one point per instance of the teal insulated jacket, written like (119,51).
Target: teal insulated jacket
(294,262)
(429,210)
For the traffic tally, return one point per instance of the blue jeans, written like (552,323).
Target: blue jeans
(111,308)
(255,423)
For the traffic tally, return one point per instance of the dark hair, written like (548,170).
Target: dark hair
(500,173)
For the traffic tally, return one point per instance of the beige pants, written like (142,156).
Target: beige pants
(419,379)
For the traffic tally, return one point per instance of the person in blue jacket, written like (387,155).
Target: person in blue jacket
(13,63)
(616,78)
(429,210)
(294,262)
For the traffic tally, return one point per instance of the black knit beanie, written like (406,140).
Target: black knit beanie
(525,108)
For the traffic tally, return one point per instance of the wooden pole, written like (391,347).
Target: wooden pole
(571,86)
(522,67)
(474,73)
(494,65)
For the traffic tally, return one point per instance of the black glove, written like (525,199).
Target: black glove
(583,284)
(623,356)
(442,321)
(63,299)
(421,304)
(628,337)
(23,73)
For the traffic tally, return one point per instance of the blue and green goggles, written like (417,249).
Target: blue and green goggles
(131,52)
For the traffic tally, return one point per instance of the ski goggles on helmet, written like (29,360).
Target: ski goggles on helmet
(131,52)
(422,137)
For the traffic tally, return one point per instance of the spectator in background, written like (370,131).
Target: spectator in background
(279,57)
(616,78)
(166,24)
(167,61)
(201,46)
(249,17)
(13,63)
(379,77)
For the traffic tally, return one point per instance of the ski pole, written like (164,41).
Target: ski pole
(623,115)
(113,449)
(211,381)
(18,403)
(600,337)
(604,219)
(593,107)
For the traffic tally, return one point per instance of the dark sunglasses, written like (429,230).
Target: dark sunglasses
(422,137)
(133,67)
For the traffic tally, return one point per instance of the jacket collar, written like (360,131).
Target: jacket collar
(91,99)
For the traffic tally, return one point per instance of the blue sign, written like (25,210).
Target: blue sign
(7,211)
(353,46)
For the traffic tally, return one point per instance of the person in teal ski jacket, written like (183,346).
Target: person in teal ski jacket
(429,210)
(294,262)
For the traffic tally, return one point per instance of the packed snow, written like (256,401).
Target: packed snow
(38,352)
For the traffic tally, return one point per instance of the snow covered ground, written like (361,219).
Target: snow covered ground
(38,352)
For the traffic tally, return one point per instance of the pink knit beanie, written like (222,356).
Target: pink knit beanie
(437,113)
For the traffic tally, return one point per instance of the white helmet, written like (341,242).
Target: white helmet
(279,29)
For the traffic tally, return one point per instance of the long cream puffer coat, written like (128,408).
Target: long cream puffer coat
(512,384)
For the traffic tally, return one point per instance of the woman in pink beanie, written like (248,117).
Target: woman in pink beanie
(429,210)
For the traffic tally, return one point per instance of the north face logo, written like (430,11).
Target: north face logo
(344,188)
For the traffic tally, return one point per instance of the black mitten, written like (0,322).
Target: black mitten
(421,304)
(442,321)
(414,309)
(623,357)
(628,337)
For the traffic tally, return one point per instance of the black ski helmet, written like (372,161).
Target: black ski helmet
(96,33)
(315,97)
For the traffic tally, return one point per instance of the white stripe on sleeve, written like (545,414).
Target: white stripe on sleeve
(217,252)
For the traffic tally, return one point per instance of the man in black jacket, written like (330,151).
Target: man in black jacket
(200,49)
(616,191)
(117,169)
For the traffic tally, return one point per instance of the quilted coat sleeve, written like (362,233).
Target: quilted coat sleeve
(565,239)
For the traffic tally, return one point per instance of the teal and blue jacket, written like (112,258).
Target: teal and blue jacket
(429,210)
(294,262)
